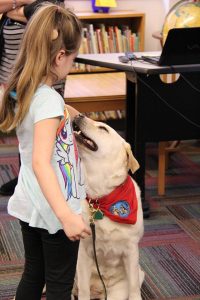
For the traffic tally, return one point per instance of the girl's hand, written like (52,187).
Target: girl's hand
(17,14)
(6,6)
(25,2)
(75,227)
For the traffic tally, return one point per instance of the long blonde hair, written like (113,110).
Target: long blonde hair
(50,29)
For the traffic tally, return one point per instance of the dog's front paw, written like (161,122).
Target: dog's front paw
(84,296)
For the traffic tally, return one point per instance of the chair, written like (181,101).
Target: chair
(164,148)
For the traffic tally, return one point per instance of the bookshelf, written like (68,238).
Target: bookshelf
(119,20)
(119,31)
(134,20)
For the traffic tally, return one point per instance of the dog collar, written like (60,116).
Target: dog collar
(120,205)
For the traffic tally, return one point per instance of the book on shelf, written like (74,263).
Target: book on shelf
(92,35)
(99,41)
(112,39)
(118,36)
(103,37)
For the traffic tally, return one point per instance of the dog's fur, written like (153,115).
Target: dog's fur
(106,159)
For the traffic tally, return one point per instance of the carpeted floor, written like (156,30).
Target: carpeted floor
(170,251)
(170,248)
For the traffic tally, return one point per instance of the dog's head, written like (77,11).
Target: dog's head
(102,143)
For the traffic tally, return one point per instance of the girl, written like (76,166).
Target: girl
(16,13)
(47,197)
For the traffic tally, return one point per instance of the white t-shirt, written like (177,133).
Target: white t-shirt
(28,202)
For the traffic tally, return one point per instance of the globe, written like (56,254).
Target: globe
(185,13)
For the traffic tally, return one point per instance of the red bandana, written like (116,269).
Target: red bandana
(120,205)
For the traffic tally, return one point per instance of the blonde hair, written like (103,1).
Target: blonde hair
(50,29)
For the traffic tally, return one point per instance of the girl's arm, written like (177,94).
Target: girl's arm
(43,145)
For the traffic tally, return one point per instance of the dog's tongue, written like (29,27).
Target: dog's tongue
(89,142)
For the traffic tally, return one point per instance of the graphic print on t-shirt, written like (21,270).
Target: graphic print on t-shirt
(65,148)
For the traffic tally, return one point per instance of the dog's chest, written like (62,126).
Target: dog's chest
(111,241)
(106,253)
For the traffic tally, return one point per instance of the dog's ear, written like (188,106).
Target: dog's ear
(133,164)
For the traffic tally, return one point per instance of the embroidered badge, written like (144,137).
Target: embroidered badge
(120,208)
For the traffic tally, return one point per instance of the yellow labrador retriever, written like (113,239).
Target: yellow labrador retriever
(114,202)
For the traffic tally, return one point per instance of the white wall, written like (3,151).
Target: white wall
(155,11)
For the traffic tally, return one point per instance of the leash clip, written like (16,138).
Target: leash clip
(92,211)
(95,213)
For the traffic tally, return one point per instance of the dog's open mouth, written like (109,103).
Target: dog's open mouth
(84,139)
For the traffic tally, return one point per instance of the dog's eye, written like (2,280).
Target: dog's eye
(103,128)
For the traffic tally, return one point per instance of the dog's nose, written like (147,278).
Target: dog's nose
(80,116)
(77,120)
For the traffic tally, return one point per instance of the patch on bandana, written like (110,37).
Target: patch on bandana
(120,208)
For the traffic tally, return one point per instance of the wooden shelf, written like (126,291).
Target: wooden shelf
(96,92)
(95,70)
(113,14)
(133,20)
(136,21)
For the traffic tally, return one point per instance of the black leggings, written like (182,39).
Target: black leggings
(49,259)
